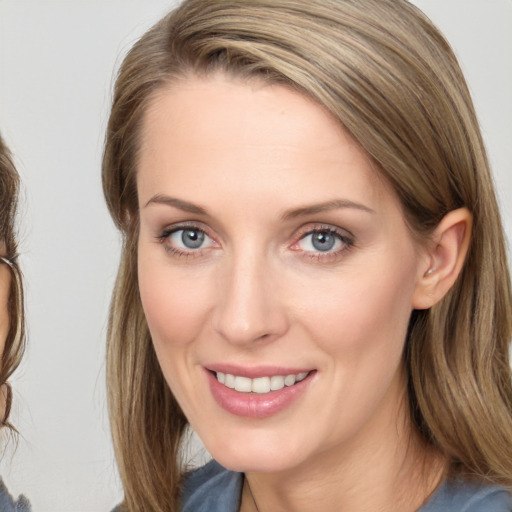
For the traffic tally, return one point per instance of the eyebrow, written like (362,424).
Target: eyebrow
(177,203)
(335,204)
(288,215)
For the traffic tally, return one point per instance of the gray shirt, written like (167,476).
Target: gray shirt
(7,503)
(213,488)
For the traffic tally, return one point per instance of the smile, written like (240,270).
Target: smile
(260,385)
(258,392)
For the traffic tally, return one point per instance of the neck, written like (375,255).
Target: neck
(388,468)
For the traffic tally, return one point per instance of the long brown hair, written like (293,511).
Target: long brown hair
(390,78)
(14,344)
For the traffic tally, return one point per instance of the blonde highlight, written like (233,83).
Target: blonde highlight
(390,78)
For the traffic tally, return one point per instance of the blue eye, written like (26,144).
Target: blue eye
(321,241)
(189,239)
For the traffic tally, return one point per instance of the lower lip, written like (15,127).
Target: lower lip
(255,405)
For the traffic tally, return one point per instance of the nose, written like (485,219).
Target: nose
(250,307)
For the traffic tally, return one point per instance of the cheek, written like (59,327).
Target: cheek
(360,325)
(362,310)
(175,305)
(5,283)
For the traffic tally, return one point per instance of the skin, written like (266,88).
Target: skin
(257,292)
(5,285)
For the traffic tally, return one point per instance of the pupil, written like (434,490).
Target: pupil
(192,239)
(323,241)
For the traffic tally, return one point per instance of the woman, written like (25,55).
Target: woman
(313,273)
(11,305)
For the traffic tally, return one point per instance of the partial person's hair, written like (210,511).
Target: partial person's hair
(388,76)
(14,344)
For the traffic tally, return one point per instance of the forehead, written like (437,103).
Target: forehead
(222,132)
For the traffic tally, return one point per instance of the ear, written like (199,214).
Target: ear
(445,256)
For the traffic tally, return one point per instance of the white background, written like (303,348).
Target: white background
(56,71)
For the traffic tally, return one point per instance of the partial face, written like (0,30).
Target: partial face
(5,286)
(276,273)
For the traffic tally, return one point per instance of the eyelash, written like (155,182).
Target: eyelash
(180,253)
(346,239)
(347,243)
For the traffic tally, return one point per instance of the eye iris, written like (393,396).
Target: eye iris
(192,238)
(323,241)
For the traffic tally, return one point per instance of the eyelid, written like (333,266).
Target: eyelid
(168,231)
(172,228)
(318,227)
(346,237)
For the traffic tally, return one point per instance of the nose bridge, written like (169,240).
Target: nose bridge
(249,307)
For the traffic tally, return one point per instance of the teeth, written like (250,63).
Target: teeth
(276,382)
(289,380)
(243,384)
(260,385)
(301,376)
(229,380)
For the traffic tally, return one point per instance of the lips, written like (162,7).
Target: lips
(257,393)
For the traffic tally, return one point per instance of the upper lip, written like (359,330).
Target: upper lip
(254,372)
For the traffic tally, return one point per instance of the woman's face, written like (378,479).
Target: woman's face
(273,258)
(5,286)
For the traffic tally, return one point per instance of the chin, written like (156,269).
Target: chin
(258,455)
(261,463)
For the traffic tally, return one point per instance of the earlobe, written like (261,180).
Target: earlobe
(445,255)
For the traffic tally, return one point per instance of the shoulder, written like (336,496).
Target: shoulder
(458,496)
(7,504)
(212,488)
